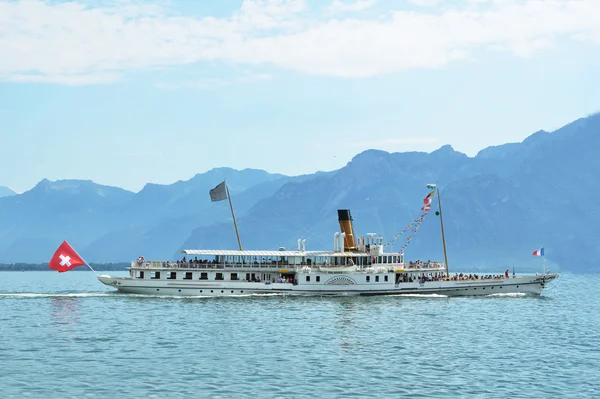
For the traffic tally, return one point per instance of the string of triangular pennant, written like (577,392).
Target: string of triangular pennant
(415,224)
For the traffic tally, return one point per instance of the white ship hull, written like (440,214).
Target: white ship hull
(520,284)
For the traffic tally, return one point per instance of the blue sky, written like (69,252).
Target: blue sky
(129,92)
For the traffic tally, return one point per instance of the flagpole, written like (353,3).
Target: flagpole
(544,271)
(88,265)
(237,233)
(443,236)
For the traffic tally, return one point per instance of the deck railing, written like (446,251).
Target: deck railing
(407,267)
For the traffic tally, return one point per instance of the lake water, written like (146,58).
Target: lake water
(68,336)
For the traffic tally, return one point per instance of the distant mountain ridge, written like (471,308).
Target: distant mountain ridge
(498,207)
(6,192)
(96,217)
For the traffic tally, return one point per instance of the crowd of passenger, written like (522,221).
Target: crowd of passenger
(464,276)
(184,262)
(422,264)
(421,278)
(425,277)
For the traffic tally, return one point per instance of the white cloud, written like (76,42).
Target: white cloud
(76,43)
(267,14)
(358,5)
(426,3)
(69,79)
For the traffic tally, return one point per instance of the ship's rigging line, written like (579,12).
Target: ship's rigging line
(415,224)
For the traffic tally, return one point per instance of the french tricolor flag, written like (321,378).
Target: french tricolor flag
(539,252)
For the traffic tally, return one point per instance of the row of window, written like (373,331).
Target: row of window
(189,276)
(368,279)
(388,259)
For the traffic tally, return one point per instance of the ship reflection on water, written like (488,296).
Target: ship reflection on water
(65,309)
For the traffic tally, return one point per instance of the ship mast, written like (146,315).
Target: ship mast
(237,233)
(443,236)
(219,193)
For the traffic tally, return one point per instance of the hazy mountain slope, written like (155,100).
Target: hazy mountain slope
(107,222)
(382,190)
(35,222)
(162,236)
(6,192)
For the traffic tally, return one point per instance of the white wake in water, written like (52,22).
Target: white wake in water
(509,294)
(56,295)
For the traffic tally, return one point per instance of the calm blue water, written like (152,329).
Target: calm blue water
(68,336)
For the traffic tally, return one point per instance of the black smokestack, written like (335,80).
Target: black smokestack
(345,219)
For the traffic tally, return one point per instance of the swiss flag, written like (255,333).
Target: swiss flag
(65,258)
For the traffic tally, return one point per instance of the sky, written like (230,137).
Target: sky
(130,92)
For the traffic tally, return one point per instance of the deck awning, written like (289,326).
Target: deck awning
(273,254)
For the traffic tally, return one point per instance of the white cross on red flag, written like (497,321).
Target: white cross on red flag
(65,258)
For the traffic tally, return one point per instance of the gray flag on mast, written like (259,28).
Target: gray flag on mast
(218,193)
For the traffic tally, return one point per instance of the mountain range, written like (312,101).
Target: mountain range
(498,207)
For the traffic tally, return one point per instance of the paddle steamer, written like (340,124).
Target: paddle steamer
(353,267)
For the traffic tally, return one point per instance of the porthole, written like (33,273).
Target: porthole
(221,291)
(211,291)
(474,288)
(500,286)
(517,286)
(484,288)
(242,291)
(179,290)
(232,291)
(200,291)
(158,289)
